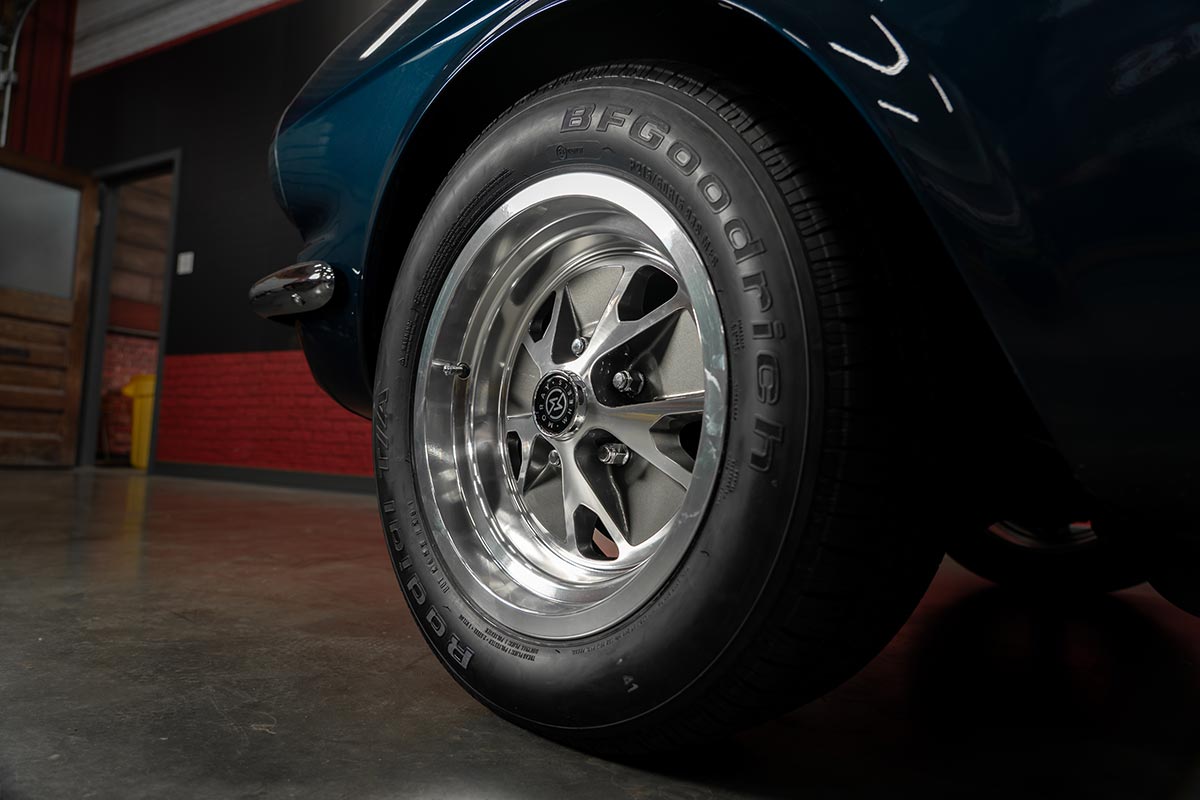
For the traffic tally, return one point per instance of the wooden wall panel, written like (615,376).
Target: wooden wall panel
(24,398)
(29,421)
(26,353)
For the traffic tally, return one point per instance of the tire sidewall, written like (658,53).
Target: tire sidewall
(768,471)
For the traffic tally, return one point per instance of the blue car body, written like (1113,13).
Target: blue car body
(1053,144)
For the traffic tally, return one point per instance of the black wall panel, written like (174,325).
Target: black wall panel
(217,99)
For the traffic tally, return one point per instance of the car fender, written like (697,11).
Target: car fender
(1014,126)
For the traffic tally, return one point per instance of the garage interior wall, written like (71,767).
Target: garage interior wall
(39,102)
(235,391)
(111,31)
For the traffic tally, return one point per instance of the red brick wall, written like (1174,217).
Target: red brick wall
(257,410)
(124,357)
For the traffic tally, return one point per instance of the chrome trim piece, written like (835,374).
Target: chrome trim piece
(296,290)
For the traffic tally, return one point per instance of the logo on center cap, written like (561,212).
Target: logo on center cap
(558,404)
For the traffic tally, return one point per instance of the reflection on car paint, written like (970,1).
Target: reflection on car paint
(891,70)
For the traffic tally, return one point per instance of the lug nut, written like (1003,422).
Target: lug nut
(615,455)
(554,458)
(579,345)
(628,382)
(459,370)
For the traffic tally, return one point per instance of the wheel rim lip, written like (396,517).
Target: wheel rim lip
(505,585)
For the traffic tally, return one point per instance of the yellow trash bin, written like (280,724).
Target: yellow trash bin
(141,389)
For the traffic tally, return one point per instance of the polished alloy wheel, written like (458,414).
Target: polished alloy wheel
(569,414)
(609,512)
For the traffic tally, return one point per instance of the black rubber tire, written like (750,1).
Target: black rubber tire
(1102,565)
(814,550)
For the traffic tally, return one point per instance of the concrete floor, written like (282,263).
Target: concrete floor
(172,638)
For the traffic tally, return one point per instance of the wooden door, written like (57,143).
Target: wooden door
(48,221)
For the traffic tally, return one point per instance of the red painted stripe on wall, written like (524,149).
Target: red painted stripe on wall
(256,410)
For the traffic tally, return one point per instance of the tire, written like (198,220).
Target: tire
(801,562)
(1046,557)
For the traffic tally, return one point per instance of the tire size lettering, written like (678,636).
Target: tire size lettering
(501,641)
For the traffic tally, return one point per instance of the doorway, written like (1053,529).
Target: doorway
(129,304)
(47,218)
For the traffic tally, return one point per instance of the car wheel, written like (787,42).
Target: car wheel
(1048,555)
(640,428)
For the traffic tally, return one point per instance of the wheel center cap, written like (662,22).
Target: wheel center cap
(559,404)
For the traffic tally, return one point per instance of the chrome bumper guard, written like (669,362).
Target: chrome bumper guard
(296,290)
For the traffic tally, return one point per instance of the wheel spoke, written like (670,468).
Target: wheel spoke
(560,330)
(612,332)
(526,429)
(650,412)
(633,425)
(594,490)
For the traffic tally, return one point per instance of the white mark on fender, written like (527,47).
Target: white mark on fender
(395,26)
(796,39)
(942,94)
(897,110)
(891,70)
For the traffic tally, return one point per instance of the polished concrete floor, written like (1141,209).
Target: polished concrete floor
(172,638)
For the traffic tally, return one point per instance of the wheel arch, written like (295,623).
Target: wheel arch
(754,51)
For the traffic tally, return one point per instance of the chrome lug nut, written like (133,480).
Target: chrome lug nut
(615,455)
(628,382)
(459,370)
(579,345)
(554,458)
